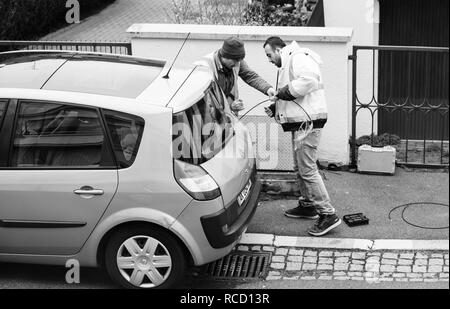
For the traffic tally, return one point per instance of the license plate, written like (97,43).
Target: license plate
(244,194)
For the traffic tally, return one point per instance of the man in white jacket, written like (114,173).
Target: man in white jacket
(301,99)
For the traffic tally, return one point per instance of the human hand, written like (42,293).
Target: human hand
(270,110)
(271,93)
(237,105)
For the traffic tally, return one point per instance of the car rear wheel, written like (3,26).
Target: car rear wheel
(144,257)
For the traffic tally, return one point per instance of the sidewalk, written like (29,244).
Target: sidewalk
(383,251)
(375,196)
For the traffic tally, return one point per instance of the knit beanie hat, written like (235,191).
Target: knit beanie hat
(233,48)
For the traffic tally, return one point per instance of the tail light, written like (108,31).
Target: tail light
(195,181)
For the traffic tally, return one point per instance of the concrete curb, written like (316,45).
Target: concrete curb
(343,243)
(403,244)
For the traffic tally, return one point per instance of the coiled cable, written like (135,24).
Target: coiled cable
(406,206)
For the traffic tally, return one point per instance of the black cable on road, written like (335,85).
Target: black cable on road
(406,206)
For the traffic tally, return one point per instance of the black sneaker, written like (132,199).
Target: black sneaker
(302,212)
(325,224)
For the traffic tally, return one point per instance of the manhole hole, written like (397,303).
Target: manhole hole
(239,265)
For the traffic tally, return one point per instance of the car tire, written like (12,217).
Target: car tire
(158,261)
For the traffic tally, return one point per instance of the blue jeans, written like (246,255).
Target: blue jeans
(311,183)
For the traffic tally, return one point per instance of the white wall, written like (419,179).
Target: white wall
(364,17)
(164,41)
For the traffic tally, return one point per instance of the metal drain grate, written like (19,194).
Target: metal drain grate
(240,265)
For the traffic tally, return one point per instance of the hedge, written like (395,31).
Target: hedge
(32,19)
(279,12)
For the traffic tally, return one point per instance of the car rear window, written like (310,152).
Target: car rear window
(201,131)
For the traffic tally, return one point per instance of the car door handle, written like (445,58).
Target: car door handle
(88,191)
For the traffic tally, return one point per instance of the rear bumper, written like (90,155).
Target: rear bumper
(225,227)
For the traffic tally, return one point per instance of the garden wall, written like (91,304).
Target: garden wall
(163,41)
(364,18)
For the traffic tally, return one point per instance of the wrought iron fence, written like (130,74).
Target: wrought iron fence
(409,99)
(122,48)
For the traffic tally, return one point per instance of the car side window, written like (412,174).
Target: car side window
(2,110)
(126,133)
(4,136)
(59,136)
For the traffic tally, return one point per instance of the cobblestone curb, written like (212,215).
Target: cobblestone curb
(350,259)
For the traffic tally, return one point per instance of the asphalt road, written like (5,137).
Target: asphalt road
(22,276)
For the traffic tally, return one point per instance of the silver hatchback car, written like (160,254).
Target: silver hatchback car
(106,160)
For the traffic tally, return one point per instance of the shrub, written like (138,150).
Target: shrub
(222,12)
(262,14)
(242,12)
(290,13)
(382,140)
(29,20)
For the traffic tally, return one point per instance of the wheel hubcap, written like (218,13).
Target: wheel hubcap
(144,261)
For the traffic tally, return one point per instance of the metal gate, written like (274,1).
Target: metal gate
(101,47)
(420,109)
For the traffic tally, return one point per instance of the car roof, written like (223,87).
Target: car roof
(100,74)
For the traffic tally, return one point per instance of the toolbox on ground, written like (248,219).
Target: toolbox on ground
(376,159)
(356,219)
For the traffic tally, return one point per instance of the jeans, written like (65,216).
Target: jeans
(311,183)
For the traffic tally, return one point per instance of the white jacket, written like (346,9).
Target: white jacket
(301,72)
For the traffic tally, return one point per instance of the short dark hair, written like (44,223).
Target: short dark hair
(274,42)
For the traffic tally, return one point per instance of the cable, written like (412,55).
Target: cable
(253,108)
(305,127)
(406,206)
(310,120)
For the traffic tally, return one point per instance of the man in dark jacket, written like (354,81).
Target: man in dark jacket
(227,64)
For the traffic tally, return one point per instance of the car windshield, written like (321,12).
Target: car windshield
(201,131)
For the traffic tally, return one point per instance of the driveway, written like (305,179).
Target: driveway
(111,23)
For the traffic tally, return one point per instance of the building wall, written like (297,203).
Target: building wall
(363,16)
(164,41)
